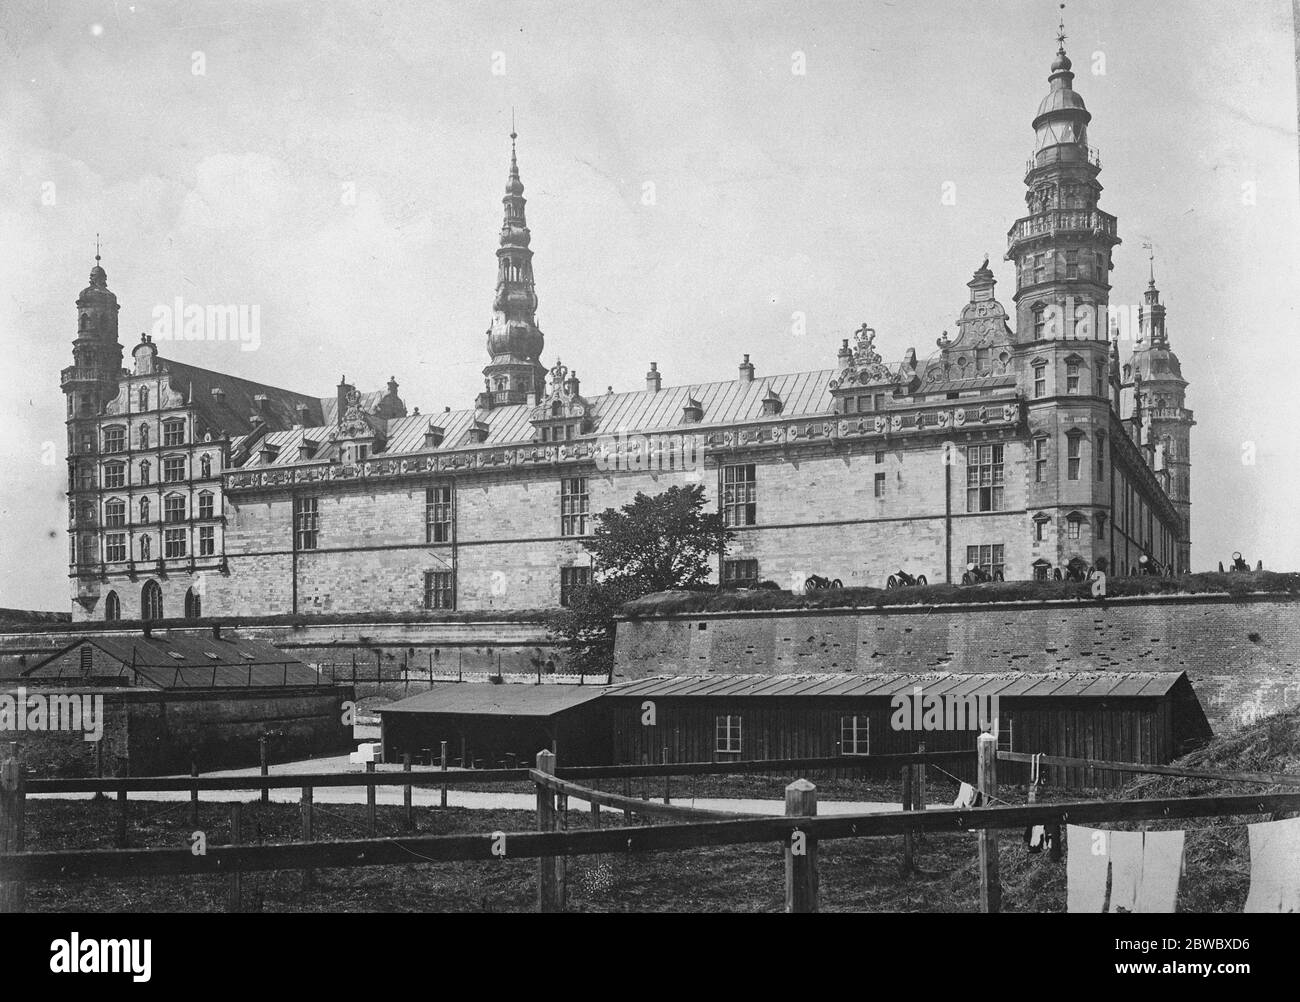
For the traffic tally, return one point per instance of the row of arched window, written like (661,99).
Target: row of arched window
(151,603)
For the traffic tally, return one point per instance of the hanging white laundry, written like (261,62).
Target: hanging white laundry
(1274,867)
(1087,862)
(1035,838)
(1162,866)
(965,797)
(1125,870)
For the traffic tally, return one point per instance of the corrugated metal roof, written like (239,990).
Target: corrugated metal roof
(1004,685)
(487,699)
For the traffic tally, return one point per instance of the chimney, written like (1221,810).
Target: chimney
(746,371)
(216,631)
(652,378)
(218,394)
(343,389)
(846,353)
(301,411)
(147,630)
(260,401)
(571,384)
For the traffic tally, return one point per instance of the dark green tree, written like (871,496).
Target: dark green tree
(651,544)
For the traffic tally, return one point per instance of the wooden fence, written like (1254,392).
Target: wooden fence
(798,832)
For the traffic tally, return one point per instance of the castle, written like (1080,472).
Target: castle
(1017,448)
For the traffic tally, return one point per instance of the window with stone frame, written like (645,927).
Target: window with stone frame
(174,543)
(1041,522)
(1073,455)
(439,590)
(1071,377)
(115,475)
(115,547)
(574,506)
(437,513)
(572,579)
(115,439)
(989,556)
(1101,455)
(1040,460)
(174,508)
(1074,526)
(114,512)
(985,477)
(174,432)
(1040,376)
(739,494)
(880,485)
(207,540)
(173,469)
(306,522)
(206,504)
(742,573)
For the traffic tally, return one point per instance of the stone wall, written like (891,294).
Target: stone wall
(1241,655)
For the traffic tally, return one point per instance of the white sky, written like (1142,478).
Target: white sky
(774,193)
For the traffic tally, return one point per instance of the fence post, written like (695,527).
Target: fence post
(547,889)
(801,850)
(370,801)
(444,770)
(12,803)
(233,882)
(562,862)
(261,755)
(918,782)
(909,850)
(308,875)
(122,809)
(194,794)
(990,884)
(406,793)
(645,760)
(667,778)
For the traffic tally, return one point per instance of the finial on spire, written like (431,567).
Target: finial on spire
(1060,32)
(97,248)
(1151,258)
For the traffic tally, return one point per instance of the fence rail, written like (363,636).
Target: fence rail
(1266,778)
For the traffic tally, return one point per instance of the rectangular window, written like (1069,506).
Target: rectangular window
(727,731)
(173,433)
(855,735)
(864,405)
(1073,456)
(984,478)
(880,458)
(1040,460)
(982,357)
(115,513)
(174,509)
(1101,379)
(988,556)
(571,579)
(1101,526)
(1005,726)
(114,475)
(878,401)
(740,573)
(574,506)
(1040,530)
(1071,377)
(1101,457)
(1040,379)
(115,546)
(739,495)
(437,514)
(173,543)
(1040,324)
(205,505)
(880,485)
(114,439)
(1072,264)
(850,405)
(1040,267)
(207,540)
(306,522)
(1073,527)
(439,590)
(174,469)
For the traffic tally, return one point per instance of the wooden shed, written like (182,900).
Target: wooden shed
(1116,716)
(494,725)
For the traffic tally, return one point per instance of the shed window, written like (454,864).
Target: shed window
(855,735)
(728,734)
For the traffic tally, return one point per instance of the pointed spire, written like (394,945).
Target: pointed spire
(1151,257)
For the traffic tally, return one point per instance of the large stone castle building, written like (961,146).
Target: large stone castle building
(1022,442)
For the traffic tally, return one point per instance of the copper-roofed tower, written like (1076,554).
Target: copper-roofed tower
(514,340)
(1159,374)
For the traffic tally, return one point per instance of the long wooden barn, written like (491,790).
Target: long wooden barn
(1108,716)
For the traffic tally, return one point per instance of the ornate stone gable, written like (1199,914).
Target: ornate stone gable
(564,403)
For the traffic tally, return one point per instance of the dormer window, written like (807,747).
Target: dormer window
(268,453)
(772,402)
(307,449)
(693,412)
(478,432)
(433,436)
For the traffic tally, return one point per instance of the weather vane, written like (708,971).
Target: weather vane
(1060,34)
(1151,257)
(96,247)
